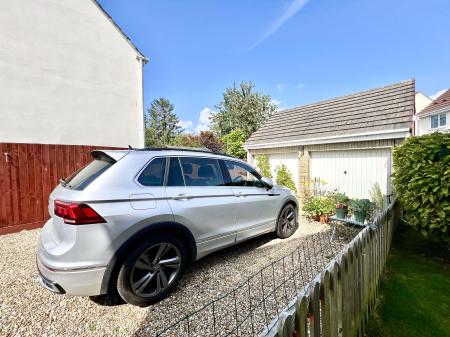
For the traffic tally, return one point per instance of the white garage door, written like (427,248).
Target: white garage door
(288,159)
(353,172)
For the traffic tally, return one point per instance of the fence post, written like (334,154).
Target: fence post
(301,316)
(326,296)
(314,310)
(335,306)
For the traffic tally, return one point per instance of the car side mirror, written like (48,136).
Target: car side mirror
(268,182)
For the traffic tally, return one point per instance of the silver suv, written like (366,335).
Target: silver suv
(132,220)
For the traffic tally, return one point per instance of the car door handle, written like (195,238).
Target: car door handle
(240,195)
(182,196)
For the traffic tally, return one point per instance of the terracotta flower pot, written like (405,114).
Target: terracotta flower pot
(323,218)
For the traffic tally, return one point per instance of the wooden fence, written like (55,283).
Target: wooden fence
(28,174)
(338,301)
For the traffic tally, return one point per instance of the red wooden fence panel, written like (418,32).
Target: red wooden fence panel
(28,174)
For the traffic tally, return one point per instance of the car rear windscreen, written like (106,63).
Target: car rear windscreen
(83,177)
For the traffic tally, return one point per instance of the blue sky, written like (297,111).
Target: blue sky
(297,51)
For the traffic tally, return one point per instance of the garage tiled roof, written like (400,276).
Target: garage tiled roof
(387,108)
(439,103)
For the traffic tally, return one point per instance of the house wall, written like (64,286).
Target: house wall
(304,155)
(67,76)
(425,125)
(421,102)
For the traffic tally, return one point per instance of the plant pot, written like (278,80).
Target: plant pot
(323,218)
(359,216)
(341,213)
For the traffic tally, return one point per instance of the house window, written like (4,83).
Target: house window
(438,121)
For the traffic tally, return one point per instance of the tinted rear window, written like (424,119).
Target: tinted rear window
(82,178)
(153,175)
(201,171)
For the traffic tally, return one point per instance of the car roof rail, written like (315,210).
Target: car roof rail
(182,148)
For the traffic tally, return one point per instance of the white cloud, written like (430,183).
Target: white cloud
(278,104)
(275,101)
(439,93)
(300,86)
(203,123)
(281,87)
(203,120)
(294,7)
(186,126)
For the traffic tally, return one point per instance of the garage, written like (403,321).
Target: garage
(353,172)
(288,159)
(345,141)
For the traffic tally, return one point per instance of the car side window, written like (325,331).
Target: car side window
(242,176)
(201,171)
(175,177)
(153,174)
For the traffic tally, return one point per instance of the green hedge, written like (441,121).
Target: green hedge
(422,182)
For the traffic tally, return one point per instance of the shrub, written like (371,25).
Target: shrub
(264,166)
(233,143)
(422,182)
(378,198)
(339,198)
(362,206)
(318,205)
(284,177)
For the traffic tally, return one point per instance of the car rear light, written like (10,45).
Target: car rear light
(77,214)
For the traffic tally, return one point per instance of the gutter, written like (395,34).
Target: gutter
(359,137)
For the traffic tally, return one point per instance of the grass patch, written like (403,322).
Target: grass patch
(415,290)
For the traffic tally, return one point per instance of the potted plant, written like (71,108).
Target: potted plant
(341,200)
(318,208)
(341,210)
(361,209)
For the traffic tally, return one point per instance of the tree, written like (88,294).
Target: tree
(233,143)
(161,123)
(204,139)
(186,140)
(242,108)
(211,142)
(263,164)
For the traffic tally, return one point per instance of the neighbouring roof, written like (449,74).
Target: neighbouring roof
(440,103)
(377,110)
(125,36)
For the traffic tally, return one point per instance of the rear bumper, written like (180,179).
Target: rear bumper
(50,285)
(79,282)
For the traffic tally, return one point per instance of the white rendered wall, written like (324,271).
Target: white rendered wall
(67,76)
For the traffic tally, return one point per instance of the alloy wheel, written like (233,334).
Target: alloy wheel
(288,221)
(155,269)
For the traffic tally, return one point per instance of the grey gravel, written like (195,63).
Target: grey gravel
(26,309)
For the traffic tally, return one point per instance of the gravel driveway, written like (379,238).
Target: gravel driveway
(26,309)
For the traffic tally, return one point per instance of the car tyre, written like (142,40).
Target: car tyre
(287,222)
(152,270)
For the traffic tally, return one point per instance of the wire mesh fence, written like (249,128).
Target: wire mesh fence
(337,302)
(251,306)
